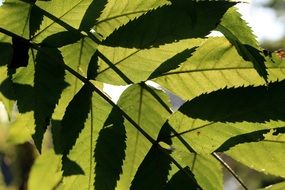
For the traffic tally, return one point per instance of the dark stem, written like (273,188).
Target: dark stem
(230,170)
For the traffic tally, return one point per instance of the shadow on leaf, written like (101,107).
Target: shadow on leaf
(172,63)
(75,116)
(251,104)
(23,94)
(180,180)
(182,20)
(154,169)
(70,167)
(92,14)
(110,151)
(48,86)
(255,136)
(61,39)
(36,19)
(6,52)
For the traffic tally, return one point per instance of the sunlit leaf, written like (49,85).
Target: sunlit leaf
(264,156)
(181,20)
(82,153)
(215,64)
(117,13)
(241,36)
(138,103)
(48,167)
(14,16)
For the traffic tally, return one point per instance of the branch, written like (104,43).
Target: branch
(105,97)
(230,170)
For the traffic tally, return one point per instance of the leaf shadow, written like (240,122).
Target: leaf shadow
(6,50)
(48,85)
(61,39)
(249,53)
(181,20)
(172,63)
(20,56)
(154,169)
(91,15)
(70,167)
(75,117)
(255,136)
(250,104)
(180,180)
(110,151)
(23,94)
(36,19)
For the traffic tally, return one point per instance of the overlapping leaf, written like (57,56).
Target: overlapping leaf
(139,65)
(82,152)
(117,13)
(139,103)
(110,144)
(181,20)
(202,171)
(59,16)
(215,64)
(159,158)
(240,35)
(49,74)
(255,155)
(230,112)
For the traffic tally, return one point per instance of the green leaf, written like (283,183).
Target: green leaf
(251,104)
(47,166)
(59,15)
(215,64)
(181,20)
(240,35)
(172,63)
(114,16)
(265,156)
(154,170)
(138,104)
(75,116)
(205,168)
(82,152)
(48,85)
(231,112)
(21,129)
(92,14)
(14,16)
(61,39)
(138,65)
(110,151)
(79,54)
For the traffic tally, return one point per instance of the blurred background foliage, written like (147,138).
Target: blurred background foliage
(278,6)
(16,160)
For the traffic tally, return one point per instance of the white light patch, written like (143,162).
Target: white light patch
(114,91)
(263,21)
(4,118)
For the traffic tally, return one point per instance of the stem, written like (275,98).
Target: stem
(230,170)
